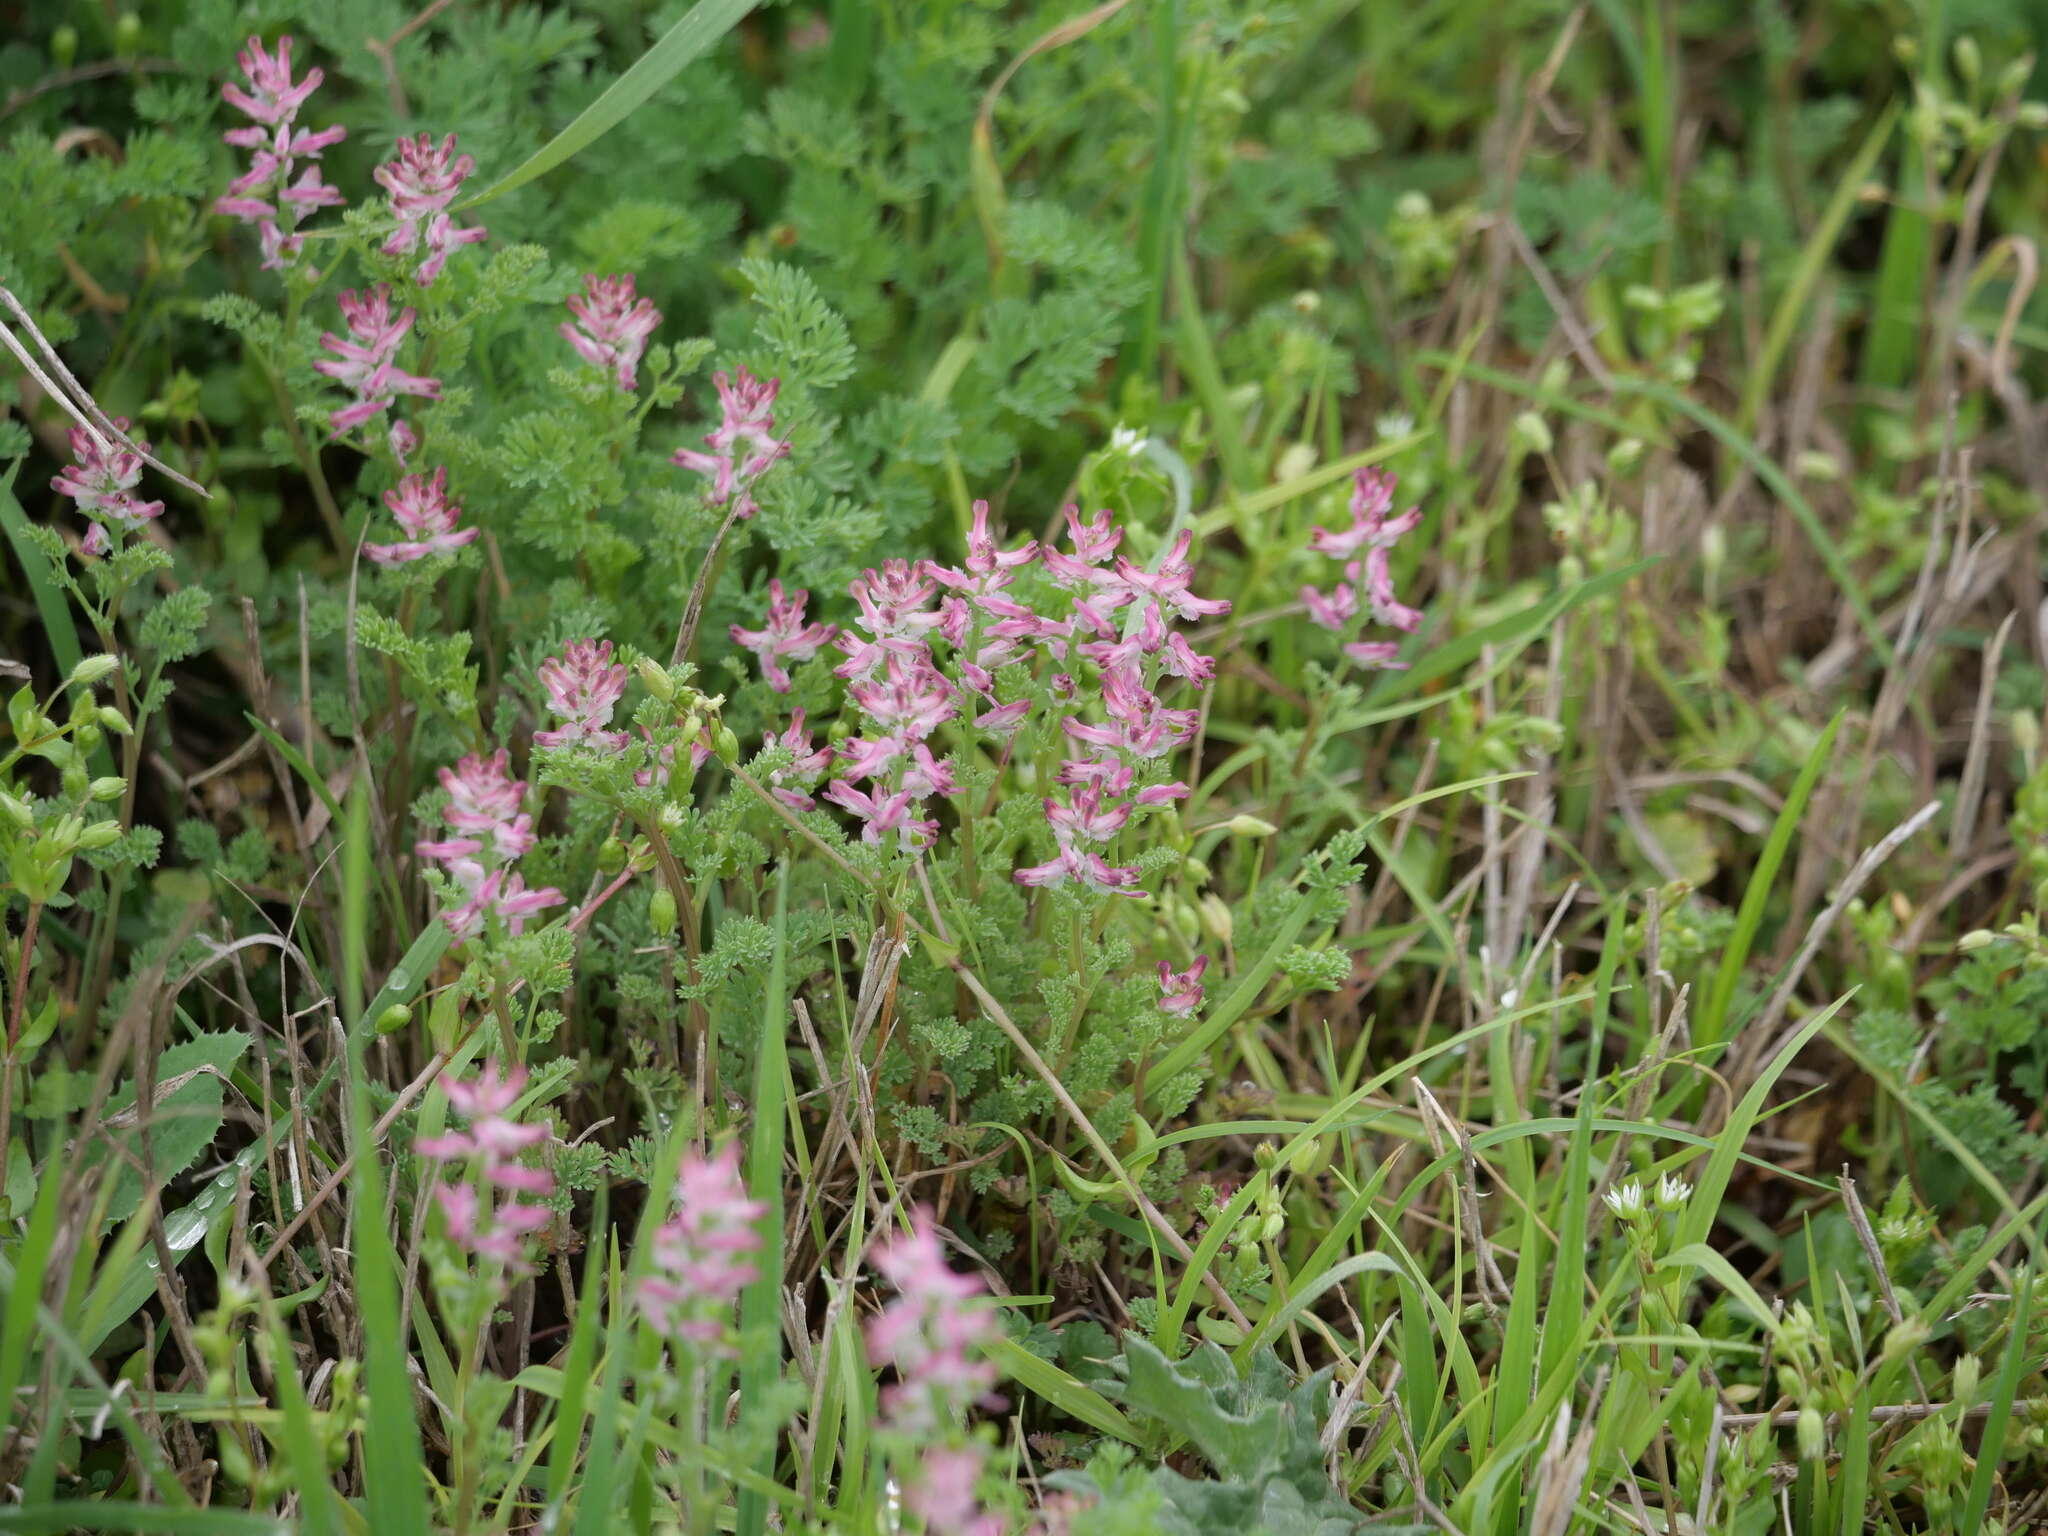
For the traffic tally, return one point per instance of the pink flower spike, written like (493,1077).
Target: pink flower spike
(1381,654)
(612,326)
(274,194)
(422,180)
(703,1254)
(423,510)
(1333,609)
(928,1333)
(1372,496)
(743,445)
(1379,594)
(584,684)
(102,484)
(784,633)
(365,362)
(1180,992)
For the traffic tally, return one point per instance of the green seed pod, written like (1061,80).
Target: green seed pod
(111,719)
(64,46)
(393,1019)
(611,856)
(84,707)
(108,788)
(127,35)
(86,737)
(661,911)
(727,745)
(77,782)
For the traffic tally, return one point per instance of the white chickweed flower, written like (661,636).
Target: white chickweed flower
(1128,441)
(1627,1201)
(1672,1192)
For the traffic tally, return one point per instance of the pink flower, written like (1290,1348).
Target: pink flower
(477,1219)
(1180,992)
(365,363)
(1379,595)
(939,1490)
(612,326)
(1084,817)
(1372,496)
(1376,653)
(423,179)
(1089,869)
(267,194)
(1169,584)
(503,896)
(807,766)
(929,1334)
(988,568)
(784,633)
(748,424)
(883,813)
(1093,543)
(423,510)
(483,805)
(103,482)
(1334,609)
(584,685)
(703,1255)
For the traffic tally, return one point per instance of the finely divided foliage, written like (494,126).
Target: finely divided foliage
(834,864)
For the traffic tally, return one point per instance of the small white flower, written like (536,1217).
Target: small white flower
(1626,1201)
(1128,441)
(1672,1192)
(1395,424)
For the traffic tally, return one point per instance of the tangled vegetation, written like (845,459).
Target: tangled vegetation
(946,766)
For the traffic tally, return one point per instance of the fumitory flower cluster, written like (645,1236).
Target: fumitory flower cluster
(422,180)
(496,1213)
(1368,585)
(267,194)
(703,1254)
(584,686)
(484,809)
(743,445)
(103,482)
(366,360)
(611,327)
(428,514)
(932,1339)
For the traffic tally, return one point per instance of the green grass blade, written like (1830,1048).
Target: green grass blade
(1796,301)
(51,607)
(31,1263)
(153,1519)
(1991,1446)
(568,1430)
(704,24)
(355,898)
(1709,1028)
(760,1303)
(394,1471)
(1072,1397)
(301,1440)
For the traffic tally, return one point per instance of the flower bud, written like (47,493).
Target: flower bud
(611,856)
(1963,1385)
(91,670)
(726,744)
(1217,921)
(661,911)
(393,1019)
(108,788)
(1969,60)
(1975,939)
(1531,434)
(101,834)
(111,719)
(127,35)
(1905,1336)
(16,810)
(1812,1434)
(64,46)
(86,737)
(656,677)
(77,783)
(1249,826)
